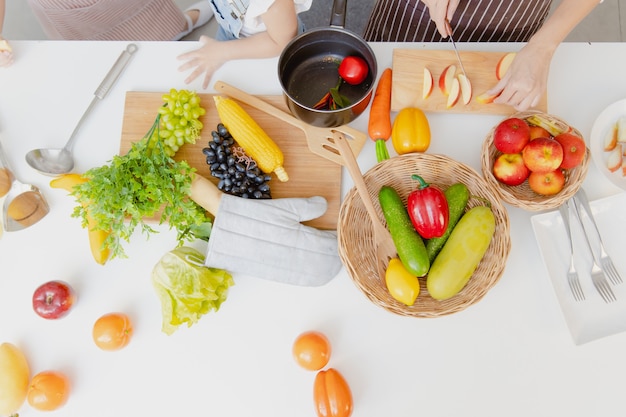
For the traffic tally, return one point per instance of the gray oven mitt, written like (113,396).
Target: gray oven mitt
(265,239)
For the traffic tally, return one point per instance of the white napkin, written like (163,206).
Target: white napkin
(266,239)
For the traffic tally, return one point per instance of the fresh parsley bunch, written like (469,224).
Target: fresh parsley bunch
(146,183)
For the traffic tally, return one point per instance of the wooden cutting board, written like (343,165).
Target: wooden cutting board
(408,76)
(309,174)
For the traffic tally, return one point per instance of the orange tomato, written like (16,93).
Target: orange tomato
(311,350)
(331,394)
(48,390)
(112,331)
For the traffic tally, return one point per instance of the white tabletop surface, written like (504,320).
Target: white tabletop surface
(509,355)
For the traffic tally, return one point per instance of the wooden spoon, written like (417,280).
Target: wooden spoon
(385,248)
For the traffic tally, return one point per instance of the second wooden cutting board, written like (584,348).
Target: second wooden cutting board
(408,76)
(309,174)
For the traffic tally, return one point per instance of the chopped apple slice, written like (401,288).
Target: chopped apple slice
(614,160)
(485,98)
(446,78)
(621,129)
(503,64)
(427,87)
(466,88)
(610,140)
(4,46)
(455,93)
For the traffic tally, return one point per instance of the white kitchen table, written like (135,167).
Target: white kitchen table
(509,355)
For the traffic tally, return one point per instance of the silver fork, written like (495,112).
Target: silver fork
(597,274)
(572,275)
(605,259)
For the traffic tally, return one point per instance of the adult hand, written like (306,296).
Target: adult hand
(441,12)
(526,79)
(206,59)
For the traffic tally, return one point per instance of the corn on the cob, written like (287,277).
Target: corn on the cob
(251,137)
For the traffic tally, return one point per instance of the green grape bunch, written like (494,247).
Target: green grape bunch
(177,121)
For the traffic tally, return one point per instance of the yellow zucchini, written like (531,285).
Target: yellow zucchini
(461,254)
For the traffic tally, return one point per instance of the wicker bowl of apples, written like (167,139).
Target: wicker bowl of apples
(534,161)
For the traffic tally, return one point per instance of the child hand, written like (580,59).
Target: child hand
(207,59)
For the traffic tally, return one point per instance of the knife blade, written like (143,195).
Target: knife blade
(456,50)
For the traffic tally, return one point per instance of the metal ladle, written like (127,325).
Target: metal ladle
(24,205)
(60,161)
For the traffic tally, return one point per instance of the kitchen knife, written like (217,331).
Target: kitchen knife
(456,51)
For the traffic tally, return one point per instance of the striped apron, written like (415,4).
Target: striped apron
(473,21)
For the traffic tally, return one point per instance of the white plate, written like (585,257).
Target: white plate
(605,121)
(591,318)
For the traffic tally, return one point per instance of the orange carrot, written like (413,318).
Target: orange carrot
(379,124)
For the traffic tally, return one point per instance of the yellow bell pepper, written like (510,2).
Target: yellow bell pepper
(411,131)
(401,284)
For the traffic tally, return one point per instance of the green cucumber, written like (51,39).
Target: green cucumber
(457,196)
(409,244)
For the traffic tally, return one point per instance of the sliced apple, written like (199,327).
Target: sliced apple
(446,78)
(4,46)
(466,88)
(455,93)
(610,140)
(485,98)
(503,64)
(621,129)
(429,82)
(614,160)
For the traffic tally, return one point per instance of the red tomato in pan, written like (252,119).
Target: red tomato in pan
(353,69)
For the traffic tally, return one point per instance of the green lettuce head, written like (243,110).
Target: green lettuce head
(188,289)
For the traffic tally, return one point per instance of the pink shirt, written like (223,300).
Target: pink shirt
(132,20)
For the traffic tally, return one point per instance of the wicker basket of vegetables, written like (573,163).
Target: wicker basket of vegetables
(357,247)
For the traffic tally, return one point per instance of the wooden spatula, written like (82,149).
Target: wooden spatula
(317,137)
(385,247)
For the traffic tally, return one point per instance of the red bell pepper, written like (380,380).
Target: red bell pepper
(428,209)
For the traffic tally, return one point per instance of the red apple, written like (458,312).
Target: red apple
(543,155)
(509,169)
(546,183)
(574,150)
(53,299)
(538,132)
(511,135)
